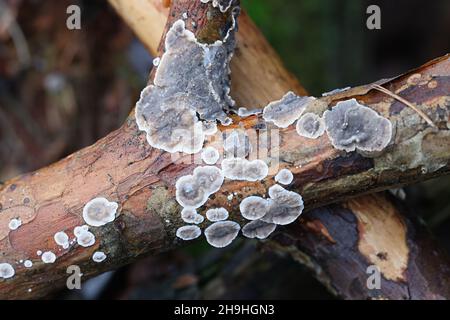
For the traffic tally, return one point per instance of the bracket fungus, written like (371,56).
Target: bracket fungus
(48,257)
(6,271)
(352,126)
(98,256)
(253,207)
(190,215)
(210,155)
(193,191)
(310,125)
(243,169)
(287,110)
(284,206)
(217,214)
(284,176)
(258,229)
(237,144)
(220,234)
(188,232)
(14,224)
(192,78)
(99,211)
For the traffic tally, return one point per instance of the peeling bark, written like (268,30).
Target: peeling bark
(52,198)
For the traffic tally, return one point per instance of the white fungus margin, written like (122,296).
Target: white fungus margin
(99,211)
(220,234)
(6,271)
(188,232)
(48,257)
(284,176)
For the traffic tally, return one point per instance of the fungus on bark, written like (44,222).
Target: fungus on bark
(188,232)
(192,78)
(85,238)
(48,257)
(352,126)
(243,169)
(99,211)
(14,224)
(284,176)
(253,207)
(193,191)
(258,229)
(284,206)
(6,271)
(190,215)
(287,110)
(27,263)
(62,239)
(98,256)
(210,155)
(220,234)
(217,214)
(237,144)
(310,125)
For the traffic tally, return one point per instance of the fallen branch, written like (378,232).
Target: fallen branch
(51,199)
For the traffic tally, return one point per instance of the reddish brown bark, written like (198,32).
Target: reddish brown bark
(125,169)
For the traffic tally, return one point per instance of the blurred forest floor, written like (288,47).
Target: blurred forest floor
(61,90)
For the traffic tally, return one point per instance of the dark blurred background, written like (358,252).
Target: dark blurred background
(61,90)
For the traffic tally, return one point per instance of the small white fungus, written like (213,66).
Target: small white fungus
(192,191)
(98,256)
(352,126)
(85,238)
(28,263)
(79,229)
(220,234)
(99,211)
(62,239)
(210,155)
(217,214)
(48,257)
(188,232)
(287,110)
(6,271)
(285,177)
(209,127)
(310,125)
(253,207)
(237,144)
(39,252)
(243,169)
(14,224)
(258,229)
(190,215)
(156,61)
(284,206)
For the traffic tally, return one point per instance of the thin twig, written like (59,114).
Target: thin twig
(406,102)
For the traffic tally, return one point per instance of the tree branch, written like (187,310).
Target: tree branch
(51,199)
